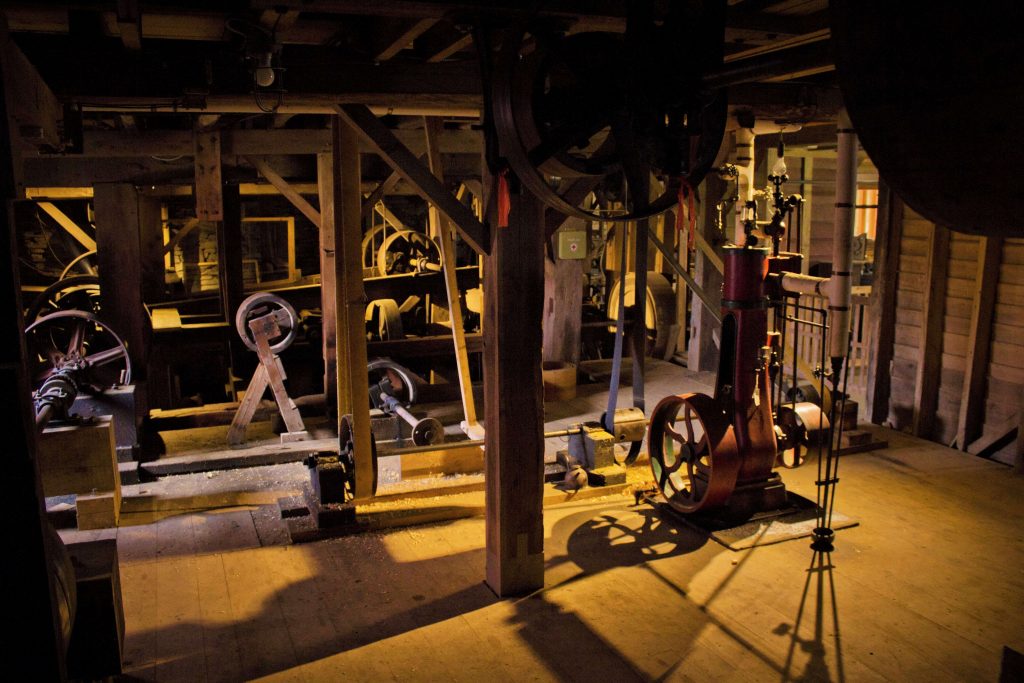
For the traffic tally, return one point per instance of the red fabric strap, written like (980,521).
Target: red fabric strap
(504,199)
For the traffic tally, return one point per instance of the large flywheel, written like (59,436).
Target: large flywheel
(693,452)
(591,108)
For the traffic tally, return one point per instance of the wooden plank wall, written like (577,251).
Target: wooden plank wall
(956,321)
(908,337)
(1005,378)
(822,209)
(959,276)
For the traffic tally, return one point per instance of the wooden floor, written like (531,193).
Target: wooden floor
(929,587)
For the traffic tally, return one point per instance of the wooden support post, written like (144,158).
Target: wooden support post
(35,612)
(979,342)
(328,286)
(563,308)
(513,390)
(129,23)
(209,206)
(702,354)
(151,251)
(443,229)
(929,360)
(682,295)
(120,265)
(352,380)
(882,304)
(229,271)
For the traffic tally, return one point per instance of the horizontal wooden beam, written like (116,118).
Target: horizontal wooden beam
(374,133)
(178,143)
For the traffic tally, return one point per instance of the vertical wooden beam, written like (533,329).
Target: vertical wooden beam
(979,342)
(35,613)
(443,231)
(682,252)
(513,391)
(882,304)
(129,23)
(229,269)
(563,308)
(702,354)
(119,263)
(352,381)
(209,206)
(229,252)
(151,248)
(929,360)
(328,286)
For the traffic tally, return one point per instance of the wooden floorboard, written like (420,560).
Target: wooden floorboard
(928,587)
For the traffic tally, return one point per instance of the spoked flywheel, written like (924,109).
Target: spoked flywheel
(579,110)
(693,452)
(79,341)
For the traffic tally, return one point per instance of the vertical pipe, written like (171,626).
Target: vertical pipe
(744,161)
(842,242)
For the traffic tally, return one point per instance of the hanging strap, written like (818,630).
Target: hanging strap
(620,324)
(504,199)
(608,419)
(686,198)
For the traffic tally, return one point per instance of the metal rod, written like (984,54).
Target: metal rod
(472,443)
(794,319)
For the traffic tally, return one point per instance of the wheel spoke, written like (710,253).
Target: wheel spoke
(104,357)
(676,436)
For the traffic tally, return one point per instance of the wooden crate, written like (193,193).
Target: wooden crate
(82,459)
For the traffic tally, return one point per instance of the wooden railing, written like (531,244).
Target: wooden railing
(809,341)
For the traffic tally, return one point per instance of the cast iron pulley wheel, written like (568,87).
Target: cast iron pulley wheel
(76,293)
(693,452)
(80,341)
(371,243)
(83,264)
(797,426)
(576,109)
(401,251)
(394,379)
(259,305)
(384,320)
(347,455)
(659,313)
